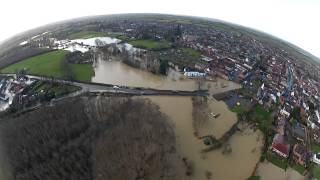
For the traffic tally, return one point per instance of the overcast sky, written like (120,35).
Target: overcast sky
(297,21)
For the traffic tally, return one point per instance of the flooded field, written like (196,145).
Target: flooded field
(118,73)
(268,171)
(238,165)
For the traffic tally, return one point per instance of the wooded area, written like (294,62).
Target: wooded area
(91,138)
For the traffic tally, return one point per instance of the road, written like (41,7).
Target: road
(109,88)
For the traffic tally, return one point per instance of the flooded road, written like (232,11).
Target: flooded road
(118,73)
(238,165)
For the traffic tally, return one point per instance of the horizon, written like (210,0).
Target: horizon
(293,13)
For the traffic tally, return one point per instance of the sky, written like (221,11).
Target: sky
(296,21)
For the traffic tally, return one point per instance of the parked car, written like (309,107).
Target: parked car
(316,158)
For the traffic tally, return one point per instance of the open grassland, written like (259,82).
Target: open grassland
(316,171)
(87,35)
(150,44)
(82,72)
(49,64)
(191,52)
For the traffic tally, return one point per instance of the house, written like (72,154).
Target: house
(4,88)
(284,112)
(205,58)
(316,136)
(280,147)
(300,154)
(316,158)
(299,132)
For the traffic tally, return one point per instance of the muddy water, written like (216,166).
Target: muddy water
(238,165)
(218,126)
(118,73)
(268,171)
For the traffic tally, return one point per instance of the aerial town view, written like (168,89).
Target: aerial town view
(153,96)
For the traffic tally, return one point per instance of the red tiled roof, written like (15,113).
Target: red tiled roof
(281,147)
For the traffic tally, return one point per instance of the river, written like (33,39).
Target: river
(238,165)
(246,145)
(118,73)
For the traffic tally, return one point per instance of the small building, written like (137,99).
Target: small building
(194,74)
(299,132)
(205,58)
(280,147)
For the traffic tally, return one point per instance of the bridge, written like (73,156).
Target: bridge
(116,89)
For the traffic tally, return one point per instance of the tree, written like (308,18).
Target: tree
(163,67)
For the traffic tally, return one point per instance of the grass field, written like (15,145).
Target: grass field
(299,168)
(87,35)
(263,118)
(316,171)
(281,163)
(254,178)
(315,148)
(150,44)
(49,64)
(82,72)
(191,52)
(261,114)
(238,109)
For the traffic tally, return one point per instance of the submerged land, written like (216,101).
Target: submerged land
(157,97)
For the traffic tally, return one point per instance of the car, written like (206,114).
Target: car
(116,87)
(316,158)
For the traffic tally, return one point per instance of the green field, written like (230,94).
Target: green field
(315,148)
(299,168)
(93,34)
(179,21)
(263,118)
(261,114)
(238,109)
(281,163)
(254,178)
(49,64)
(87,35)
(150,44)
(191,52)
(316,171)
(82,72)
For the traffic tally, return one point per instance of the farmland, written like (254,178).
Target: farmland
(49,64)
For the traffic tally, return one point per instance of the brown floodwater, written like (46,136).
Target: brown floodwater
(245,144)
(118,73)
(268,171)
(217,126)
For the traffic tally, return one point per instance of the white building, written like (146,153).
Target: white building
(194,74)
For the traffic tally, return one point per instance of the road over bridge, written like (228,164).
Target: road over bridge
(110,88)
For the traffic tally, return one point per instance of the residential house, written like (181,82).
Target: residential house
(280,147)
(299,132)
